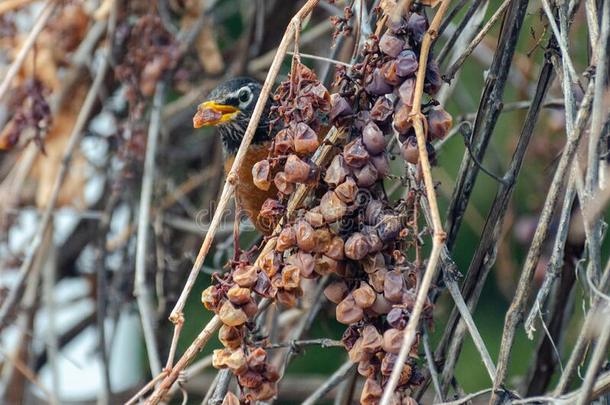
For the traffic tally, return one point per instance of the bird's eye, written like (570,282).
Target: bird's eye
(244,95)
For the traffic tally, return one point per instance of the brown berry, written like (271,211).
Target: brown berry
(261,175)
(377,279)
(291,276)
(297,171)
(409,150)
(335,248)
(356,246)
(336,172)
(381,306)
(347,191)
(245,276)
(314,217)
(382,109)
(439,123)
(250,379)
(364,295)
(340,107)
(355,154)
(305,236)
(238,295)
(336,291)
(348,312)
(371,339)
(366,176)
(230,336)
(305,139)
(390,44)
(331,207)
(392,340)
(402,118)
(392,286)
(406,63)
(231,316)
(304,262)
(282,183)
(373,140)
(382,165)
(284,142)
(286,239)
(406,92)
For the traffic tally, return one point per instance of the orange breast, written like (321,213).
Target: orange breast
(249,197)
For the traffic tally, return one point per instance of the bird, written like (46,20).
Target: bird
(229,108)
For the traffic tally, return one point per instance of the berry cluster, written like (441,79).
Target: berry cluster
(348,229)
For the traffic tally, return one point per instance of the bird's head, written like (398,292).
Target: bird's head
(229,107)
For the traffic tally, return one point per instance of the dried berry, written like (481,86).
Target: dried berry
(335,248)
(322,237)
(432,83)
(305,139)
(390,44)
(366,368)
(296,170)
(324,265)
(382,165)
(417,26)
(366,176)
(263,285)
(336,172)
(286,298)
(305,236)
(356,246)
(382,109)
(392,286)
(284,142)
(257,359)
(270,263)
(388,228)
(291,276)
(230,399)
(406,63)
(364,295)
(261,175)
(336,291)
(286,239)
(231,316)
(406,92)
(373,263)
(304,262)
(381,306)
(209,298)
(356,354)
(348,312)
(332,207)
(402,119)
(347,191)
(373,140)
(340,107)
(238,295)
(263,392)
(371,392)
(376,84)
(355,153)
(314,217)
(373,212)
(271,210)
(282,183)
(392,340)
(397,318)
(391,77)
(245,276)
(371,339)
(409,150)
(230,336)
(439,123)
(250,379)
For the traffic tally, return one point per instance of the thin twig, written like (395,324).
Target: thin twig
(334,380)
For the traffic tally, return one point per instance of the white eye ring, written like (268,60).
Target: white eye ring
(244,96)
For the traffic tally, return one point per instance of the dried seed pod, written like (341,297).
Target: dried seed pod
(305,236)
(250,379)
(406,63)
(336,172)
(331,207)
(377,279)
(371,339)
(371,392)
(402,119)
(397,318)
(230,336)
(382,165)
(209,298)
(388,228)
(304,262)
(366,176)
(392,340)
(286,298)
(296,170)
(373,140)
(390,44)
(263,285)
(238,295)
(409,150)
(282,183)
(348,312)
(219,357)
(391,77)
(417,26)
(305,139)
(381,306)
(364,295)
(356,246)
(231,316)
(340,107)
(376,85)
(335,248)
(406,92)
(392,286)
(286,239)
(236,362)
(347,191)
(356,354)
(245,276)
(291,276)
(336,291)
(373,212)
(314,217)
(439,123)
(382,109)
(271,263)
(355,154)
(261,175)
(284,142)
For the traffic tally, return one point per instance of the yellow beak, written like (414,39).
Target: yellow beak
(211,113)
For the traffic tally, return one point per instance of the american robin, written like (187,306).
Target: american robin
(229,107)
